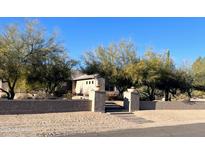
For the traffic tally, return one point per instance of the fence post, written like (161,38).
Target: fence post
(98,100)
(131,100)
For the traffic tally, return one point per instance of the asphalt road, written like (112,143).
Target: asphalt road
(189,130)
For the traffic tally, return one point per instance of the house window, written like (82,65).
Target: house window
(92,82)
(89,82)
(86,82)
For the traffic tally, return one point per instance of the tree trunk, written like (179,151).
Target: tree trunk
(166,93)
(11,94)
(7,93)
(189,94)
(152,95)
(120,90)
(121,94)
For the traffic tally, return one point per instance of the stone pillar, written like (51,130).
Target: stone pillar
(98,100)
(131,100)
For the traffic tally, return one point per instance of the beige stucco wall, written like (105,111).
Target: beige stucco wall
(98,101)
(131,101)
(85,86)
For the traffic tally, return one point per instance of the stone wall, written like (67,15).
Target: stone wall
(43,106)
(173,105)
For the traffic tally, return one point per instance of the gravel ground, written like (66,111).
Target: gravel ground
(58,124)
(55,124)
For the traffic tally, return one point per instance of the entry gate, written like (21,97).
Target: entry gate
(114,106)
(99,104)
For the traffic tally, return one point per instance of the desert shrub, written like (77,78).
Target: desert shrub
(4,96)
(198,94)
(68,95)
(40,95)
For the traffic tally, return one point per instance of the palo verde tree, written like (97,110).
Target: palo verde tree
(167,80)
(172,79)
(145,73)
(111,62)
(198,70)
(185,81)
(157,72)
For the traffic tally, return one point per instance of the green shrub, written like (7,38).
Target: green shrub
(68,95)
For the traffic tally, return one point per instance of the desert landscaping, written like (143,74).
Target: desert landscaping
(50,89)
(81,123)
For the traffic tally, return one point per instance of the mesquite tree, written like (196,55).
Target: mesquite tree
(31,54)
(12,55)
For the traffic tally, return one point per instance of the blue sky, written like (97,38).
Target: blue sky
(184,37)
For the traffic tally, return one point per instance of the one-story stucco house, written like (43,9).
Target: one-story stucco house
(82,84)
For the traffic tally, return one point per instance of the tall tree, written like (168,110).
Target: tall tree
(33,55)
(110,62)
(48,64)
(12,53)
(157,72)
(145,73)
(51,74)
(185,81)
(198,70)
(168,82)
